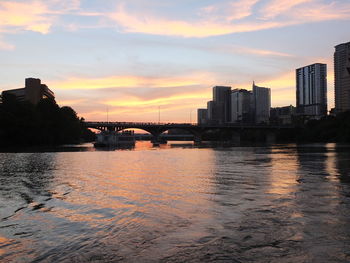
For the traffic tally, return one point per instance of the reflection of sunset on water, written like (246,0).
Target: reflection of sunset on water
(175,201)
(282,174)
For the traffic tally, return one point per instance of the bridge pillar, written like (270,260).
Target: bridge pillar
(197,138)
(235,137)
(197,135)
(270,137)
(156,137)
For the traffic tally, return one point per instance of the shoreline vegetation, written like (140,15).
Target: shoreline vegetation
(328,129)
(47,124)
(44,124)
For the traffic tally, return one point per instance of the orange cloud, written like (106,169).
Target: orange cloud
(134,102)
(133,81)
(27,15)
(260,52)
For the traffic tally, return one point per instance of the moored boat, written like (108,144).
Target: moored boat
(112,138)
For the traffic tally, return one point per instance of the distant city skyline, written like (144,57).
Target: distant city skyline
(136,57)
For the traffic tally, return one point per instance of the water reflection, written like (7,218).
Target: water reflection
(343,163)
(176,203)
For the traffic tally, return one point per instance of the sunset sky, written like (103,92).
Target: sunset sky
(132,57)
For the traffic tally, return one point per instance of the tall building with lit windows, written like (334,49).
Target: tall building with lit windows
(311,91)
(342,77)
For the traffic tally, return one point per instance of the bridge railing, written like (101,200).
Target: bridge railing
(136,123)
(179,125)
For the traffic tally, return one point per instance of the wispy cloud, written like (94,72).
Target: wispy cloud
(25,15)
(214,21)
(241,9)
(134,102)
(278,7)
(133,81)
(255,51)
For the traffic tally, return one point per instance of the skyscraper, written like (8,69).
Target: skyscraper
(342,77)
(311,93)
(241,105)
(212,112)
(202,116)
(261,104)
(222,102)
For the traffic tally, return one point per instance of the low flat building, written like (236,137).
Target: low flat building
(33,91)
(282,115)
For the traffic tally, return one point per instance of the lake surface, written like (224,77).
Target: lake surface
(176,203)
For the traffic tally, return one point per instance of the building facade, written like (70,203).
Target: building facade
(202,116)
(261,104)
(33,91)
(212,112)
(342,77)
(311,90)
(282,115)
(222,102)
(241,106)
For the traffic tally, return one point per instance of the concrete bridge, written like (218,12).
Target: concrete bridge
(156,129)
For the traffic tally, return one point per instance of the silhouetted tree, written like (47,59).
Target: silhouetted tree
(22,123)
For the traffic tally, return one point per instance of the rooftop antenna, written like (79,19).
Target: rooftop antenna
(107,113)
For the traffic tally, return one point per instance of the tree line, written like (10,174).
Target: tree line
(328,129)
(22,123)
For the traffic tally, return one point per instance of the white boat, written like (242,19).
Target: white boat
(112,138)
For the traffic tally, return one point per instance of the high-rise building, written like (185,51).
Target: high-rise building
(202,116)
(311,93)
(222,99)
(261,104)
(241,105)
(33,91)
(342,77)
(212,112)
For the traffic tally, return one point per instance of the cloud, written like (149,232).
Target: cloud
(132,81)
(255,51)
(162,26)
(25,15)
(135,102)
(213,21)
(241,9)
(278,7)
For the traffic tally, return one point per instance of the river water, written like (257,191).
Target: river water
(176,203)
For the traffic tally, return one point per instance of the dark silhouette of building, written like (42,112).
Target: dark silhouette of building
(282,115)
(241,110)
(342,77)
(33,91)
(202,116)
(213,112)
(261,104)
(311,93)
(222,102)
